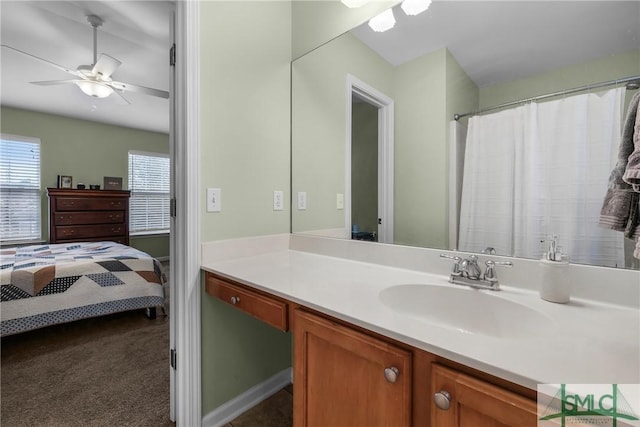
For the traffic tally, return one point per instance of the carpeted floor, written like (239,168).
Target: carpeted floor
(107,371)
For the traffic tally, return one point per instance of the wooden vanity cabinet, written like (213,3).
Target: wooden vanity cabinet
(347,376)
(460,400)
(343,377)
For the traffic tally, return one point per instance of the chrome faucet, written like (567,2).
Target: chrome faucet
(467,272)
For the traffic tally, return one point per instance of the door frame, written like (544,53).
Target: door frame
(385,107)
(185,231)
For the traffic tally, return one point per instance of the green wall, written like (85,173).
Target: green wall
(608,68)
(245,150)
(88,151)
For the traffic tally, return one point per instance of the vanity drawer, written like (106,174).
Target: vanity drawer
(260,306)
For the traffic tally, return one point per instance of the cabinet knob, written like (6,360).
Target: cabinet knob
(391,374)
(442,399)
(235,300)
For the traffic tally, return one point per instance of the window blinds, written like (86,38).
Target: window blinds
(20,199)
(149,182)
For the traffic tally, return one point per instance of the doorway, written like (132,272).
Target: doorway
(368,200)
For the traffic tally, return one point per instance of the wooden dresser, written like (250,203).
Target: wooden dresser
(88,215)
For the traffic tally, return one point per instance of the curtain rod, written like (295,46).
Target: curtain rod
(634,79)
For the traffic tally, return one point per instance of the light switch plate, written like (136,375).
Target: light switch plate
(302,200)
(278,202)
(214,200)
(339,201)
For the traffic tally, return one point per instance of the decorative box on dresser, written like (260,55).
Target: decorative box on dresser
(88,215)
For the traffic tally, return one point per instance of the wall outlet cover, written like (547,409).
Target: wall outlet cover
(302,200)
(278,200)
(339,201)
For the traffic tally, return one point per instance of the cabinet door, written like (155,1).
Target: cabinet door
(475,403)
(339,377)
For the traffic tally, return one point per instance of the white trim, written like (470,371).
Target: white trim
(149,153)
(19,138)
(163,258)
(185,246)
(149,233)
(256,394)
(385,107)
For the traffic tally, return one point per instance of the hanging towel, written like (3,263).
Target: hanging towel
(621,209)
(632,171)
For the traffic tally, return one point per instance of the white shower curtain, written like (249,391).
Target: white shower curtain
(542,169)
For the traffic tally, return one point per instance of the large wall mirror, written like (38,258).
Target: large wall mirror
(377,154)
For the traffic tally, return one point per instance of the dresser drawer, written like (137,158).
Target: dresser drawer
(263,307)
(95,204)
(90,231)
(84,218)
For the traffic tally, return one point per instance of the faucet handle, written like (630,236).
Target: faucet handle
(490,272)
(455,270)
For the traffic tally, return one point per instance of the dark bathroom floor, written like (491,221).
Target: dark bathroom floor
(276,411)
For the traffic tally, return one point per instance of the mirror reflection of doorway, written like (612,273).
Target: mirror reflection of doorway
(368,196)
(364,169)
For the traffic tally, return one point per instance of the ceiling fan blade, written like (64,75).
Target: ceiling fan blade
(140,89)
(106,65)
(53,64)
(122,98)
(52,82)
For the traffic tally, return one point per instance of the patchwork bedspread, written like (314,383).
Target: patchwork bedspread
(50,284)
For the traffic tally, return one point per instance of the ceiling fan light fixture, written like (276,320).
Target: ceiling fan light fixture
(415,7)
(383,22)
(94,89)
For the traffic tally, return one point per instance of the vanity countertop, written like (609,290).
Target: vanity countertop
(583,342)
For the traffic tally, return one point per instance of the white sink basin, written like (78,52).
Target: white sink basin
(467,310)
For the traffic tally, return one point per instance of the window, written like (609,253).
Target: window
(149,182)
(19,189)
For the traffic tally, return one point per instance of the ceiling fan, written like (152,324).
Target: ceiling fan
(95,79)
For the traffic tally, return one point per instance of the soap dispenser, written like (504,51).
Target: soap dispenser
(555,285)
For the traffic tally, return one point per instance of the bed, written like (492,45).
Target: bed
(57,283)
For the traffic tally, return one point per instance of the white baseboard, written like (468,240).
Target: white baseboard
(256,394)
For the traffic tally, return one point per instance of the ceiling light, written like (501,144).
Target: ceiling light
(95,89)
(414,7)
(354,3)
(383,22)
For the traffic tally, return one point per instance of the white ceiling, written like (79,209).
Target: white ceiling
(494,41)
(498,41)
(135,32)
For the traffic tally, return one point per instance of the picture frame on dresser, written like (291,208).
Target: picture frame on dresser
(65,181)
(112,183)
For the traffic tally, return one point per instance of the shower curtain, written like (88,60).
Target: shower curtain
(542,169)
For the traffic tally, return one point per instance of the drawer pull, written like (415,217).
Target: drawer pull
(235,300)
(442,399)
(391,374)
